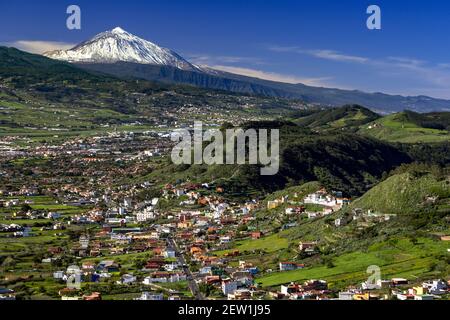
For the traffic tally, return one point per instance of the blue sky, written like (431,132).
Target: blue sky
(320,42)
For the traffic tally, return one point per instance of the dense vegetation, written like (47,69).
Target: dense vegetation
(408,191)
(344,161)
(338,118)
(433,120)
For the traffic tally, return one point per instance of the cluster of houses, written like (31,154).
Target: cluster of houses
(381,290)
(7,294)
(329,203)
(310,290)
(398,288)
(202,223)
(429,290)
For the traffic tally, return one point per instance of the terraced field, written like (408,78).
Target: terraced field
(402,259)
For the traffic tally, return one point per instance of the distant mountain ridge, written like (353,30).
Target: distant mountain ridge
(122,54)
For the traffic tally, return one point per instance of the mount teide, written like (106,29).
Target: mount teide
(118,45)
(122,54)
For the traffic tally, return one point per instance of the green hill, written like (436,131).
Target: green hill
(407,245)
(338,118)
(405,193)
(291,192)
(26,68)
(410,127)
(344,162)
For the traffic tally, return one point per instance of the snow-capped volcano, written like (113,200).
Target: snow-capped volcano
(117,45)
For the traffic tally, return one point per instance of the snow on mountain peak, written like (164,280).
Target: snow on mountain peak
(118,30)
(118,45)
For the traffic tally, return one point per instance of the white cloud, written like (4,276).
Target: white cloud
(233,64)
(323,54)
(39,47)
(272,76)
(336,56)
(205,59)
(433,77)
(407,61)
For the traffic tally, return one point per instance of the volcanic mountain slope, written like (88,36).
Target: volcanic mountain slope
(119,45)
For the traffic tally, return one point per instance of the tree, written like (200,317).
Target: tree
(25,207)
(242,227)
(9,262)
(139,264)
(206,289)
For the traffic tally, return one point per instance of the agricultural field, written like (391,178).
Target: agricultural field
(397,128)
(396,258)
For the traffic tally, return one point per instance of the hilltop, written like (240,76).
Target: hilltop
(405,193)
(344,161)
(338,118)
(402,127)
(410,127)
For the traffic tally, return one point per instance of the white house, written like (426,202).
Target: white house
(320,198)
(289,266)
(151,296)
(127,202)
(127,279)
(290,211)
(229,287)
(53,215)
(313,215)
(224,240)
(179,192)
(346,295)
(145,215)
(150,280)
(177,277)
(169,253)
(171,266)
(436,287)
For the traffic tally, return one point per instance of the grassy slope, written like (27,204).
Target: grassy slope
(301,191)
(402,193)
(402,259)
(337,118)
(398,128)
(387,245)
(268,244)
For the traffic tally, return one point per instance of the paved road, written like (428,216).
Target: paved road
(193,286)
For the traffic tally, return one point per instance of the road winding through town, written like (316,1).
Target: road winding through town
(193,286)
